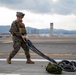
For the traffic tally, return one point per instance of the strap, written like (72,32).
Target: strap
(17,29)
(16,25)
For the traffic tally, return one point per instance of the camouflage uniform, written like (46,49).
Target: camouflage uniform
(18,32)
(17,40)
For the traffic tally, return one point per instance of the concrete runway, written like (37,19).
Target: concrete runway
(57,50)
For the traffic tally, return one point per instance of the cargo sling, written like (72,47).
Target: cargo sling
(34,49)
(64,64)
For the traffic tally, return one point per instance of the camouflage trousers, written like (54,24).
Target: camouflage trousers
(17,46)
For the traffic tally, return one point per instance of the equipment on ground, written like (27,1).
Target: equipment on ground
(69,66)
(53,66)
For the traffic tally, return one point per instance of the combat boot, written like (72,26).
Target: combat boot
(9,60)
(29,61)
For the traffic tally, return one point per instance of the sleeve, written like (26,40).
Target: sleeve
(15,30)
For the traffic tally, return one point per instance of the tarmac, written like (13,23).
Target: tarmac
(58,50)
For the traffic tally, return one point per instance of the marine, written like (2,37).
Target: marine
(19,33)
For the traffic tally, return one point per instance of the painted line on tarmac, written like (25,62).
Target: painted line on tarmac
(12,74)
(34,54)
(6,42)
(38,60)
(8,74)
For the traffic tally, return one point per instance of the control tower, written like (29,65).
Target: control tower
(51,29)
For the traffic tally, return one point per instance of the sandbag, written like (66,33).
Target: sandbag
(53,68)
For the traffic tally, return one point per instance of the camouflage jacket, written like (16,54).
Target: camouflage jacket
(17,29)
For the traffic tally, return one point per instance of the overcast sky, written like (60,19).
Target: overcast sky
(40,13)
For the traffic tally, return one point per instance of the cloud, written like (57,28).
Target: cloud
(63,7)
(39,21)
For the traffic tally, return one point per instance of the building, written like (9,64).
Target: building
(5,35)
(51,29)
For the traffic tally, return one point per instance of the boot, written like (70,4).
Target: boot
(29,61)
(9,60)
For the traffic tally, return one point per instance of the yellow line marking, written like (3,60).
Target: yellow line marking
(1,53)
(61,54)
(2,74)
(34,54)
(5,42)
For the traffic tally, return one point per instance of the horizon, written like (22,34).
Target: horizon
(41,28)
